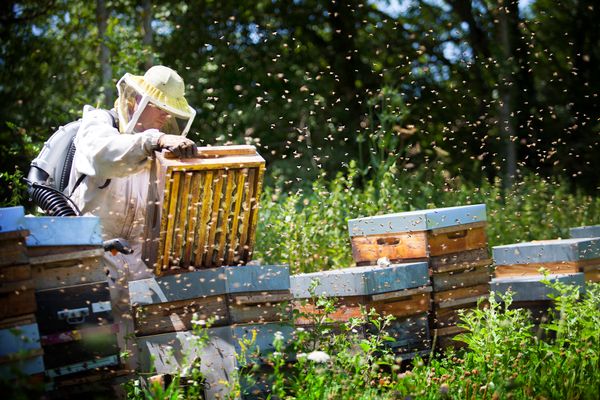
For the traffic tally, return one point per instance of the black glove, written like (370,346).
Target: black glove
(180,146)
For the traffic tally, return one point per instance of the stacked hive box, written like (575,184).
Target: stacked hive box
(401,290)
(243,298)
(530,293)
(228,295)
(74,313)
(454,243)
(566,256)
(20,347)
(592,231)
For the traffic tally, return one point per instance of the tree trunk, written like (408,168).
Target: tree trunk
(506,114)
(105,67)
(147,31)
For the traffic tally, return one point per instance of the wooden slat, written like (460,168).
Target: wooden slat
(177,316)
(503,271)
(461,293)
(214,219)
(258,313)
(207,195)
(168,218)
(12,322)
(416,304)
(465,302)
(260,297)
(394,246)
(460,261)
(195,203)
(254,216)
(246,211)
(17,303)
(182,218)
(400,294)
(346,308)
(68,258)
(218,151)
(457,241)
(456,279)
(241,181)
(15,273)
(458,228)
(225,216)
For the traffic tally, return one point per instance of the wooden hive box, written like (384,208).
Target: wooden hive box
(400,290)
(258,293)
(559,256)
(203,211)
(16,284)
(592,231)
(20,347)
(530,293)
(229,295)
(168,303)
(65,251)
(74,314)
(418,235)
(171,353)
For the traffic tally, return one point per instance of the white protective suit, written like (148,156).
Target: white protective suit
(105,153)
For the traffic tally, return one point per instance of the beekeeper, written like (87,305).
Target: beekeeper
(111,167)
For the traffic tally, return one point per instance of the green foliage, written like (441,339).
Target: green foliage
(308,230)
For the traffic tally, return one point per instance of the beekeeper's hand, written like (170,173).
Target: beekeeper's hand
(180,146)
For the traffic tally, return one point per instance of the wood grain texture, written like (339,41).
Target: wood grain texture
(177,316)
(259,313)
(415,304)
(455,241)
(17,303)
(460,261)
(53,276)
(564,267)
(346,308)
(13,249)
(394,246)
(459,293)
(457,279)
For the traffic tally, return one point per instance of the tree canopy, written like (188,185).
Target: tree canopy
(483,88)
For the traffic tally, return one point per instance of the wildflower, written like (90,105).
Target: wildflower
(444,389)
(299,329)
(278,335)
(301,356)
(318,357)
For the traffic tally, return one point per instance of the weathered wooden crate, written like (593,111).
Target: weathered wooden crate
(233,294)
(411,333)
(170,353)
(592,231)
(203,212)
(399,290)
(531,287)
(418,235)
(560,256)
(12,237)
(20,347)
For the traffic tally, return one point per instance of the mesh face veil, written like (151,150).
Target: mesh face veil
(155,100)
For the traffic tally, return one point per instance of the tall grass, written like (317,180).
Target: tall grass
(308,229)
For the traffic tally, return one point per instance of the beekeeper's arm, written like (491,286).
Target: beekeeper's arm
(103,152)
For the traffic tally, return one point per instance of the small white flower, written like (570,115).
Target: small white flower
(278,335)
(300,329)
(301,356)
(318,357)
(199,322)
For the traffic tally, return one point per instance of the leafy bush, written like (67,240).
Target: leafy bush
(308,230)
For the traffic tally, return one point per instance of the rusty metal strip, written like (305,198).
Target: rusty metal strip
(204,214)
(239,197)
(225,216)
(170,222)
(214,219)
(254,216)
